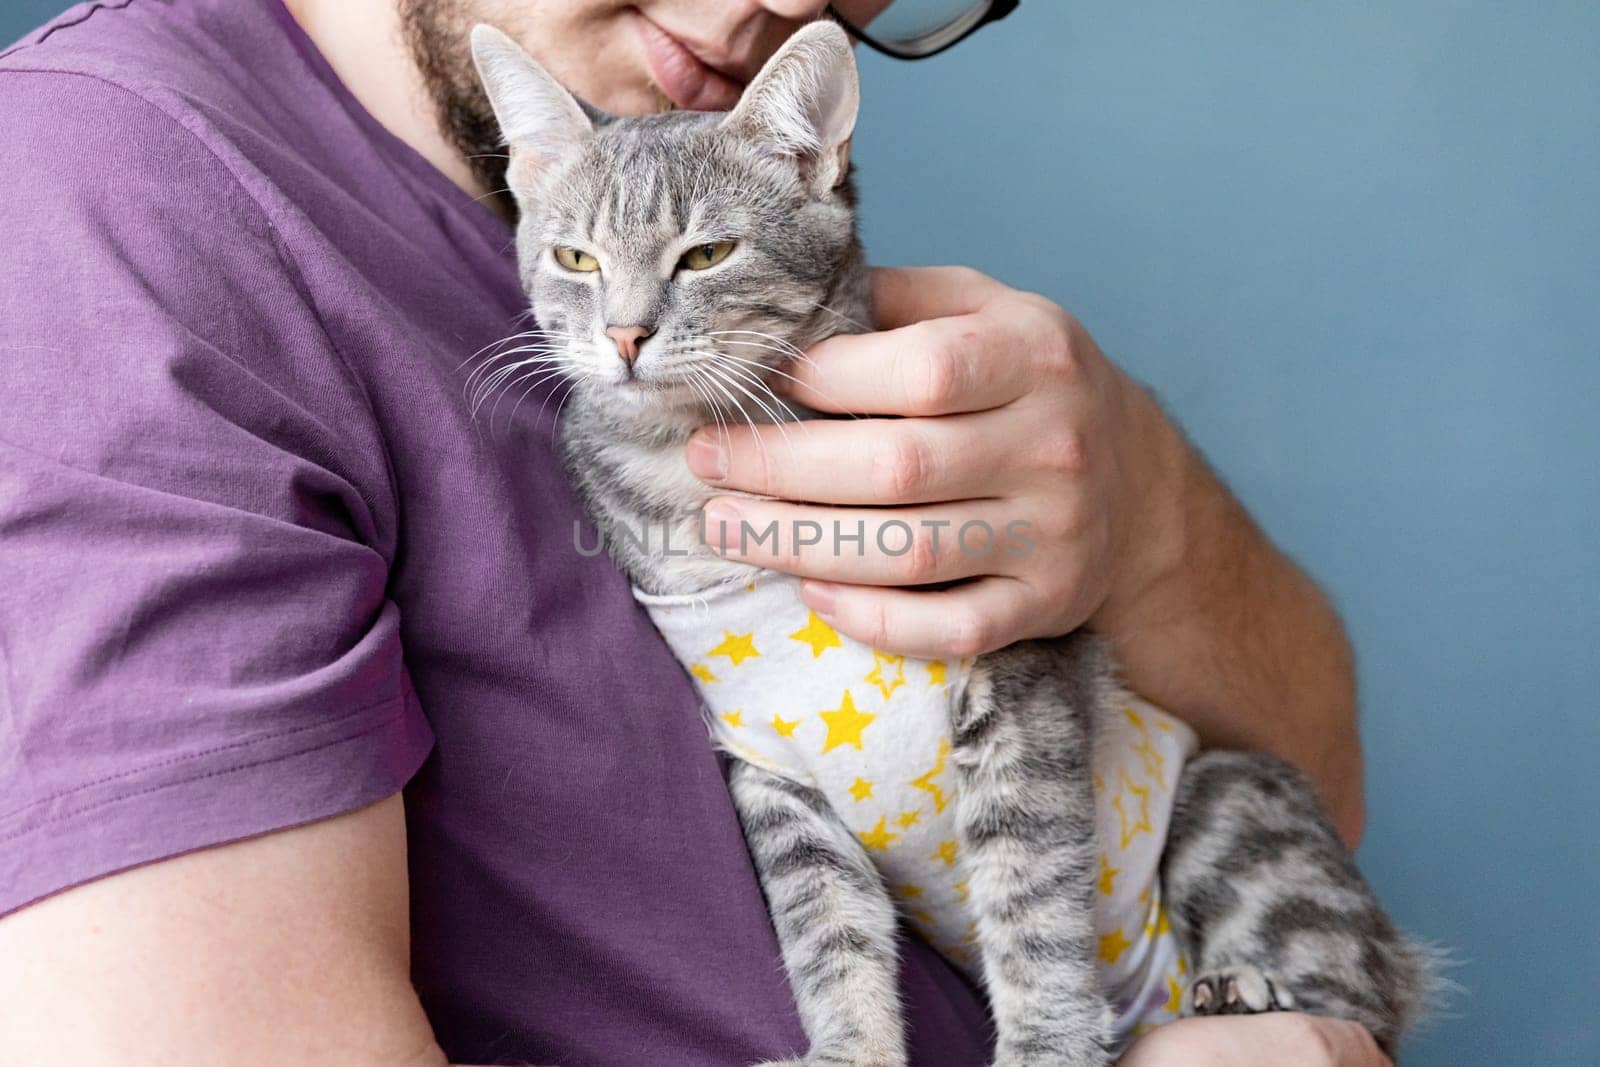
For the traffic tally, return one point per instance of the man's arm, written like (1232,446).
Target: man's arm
(289,948)
(1008,411)
(1226,632)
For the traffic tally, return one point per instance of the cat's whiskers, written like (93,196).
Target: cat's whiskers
(723,372)
(841,315)
(485,389)
(541,345)
(783,374)
(538,379)
(703,374)
(510,385)
(727,362)
(773,343)
(700,356)
(495,344)
(778,344)
(721,385)
(772,416)
(555,420)
(545,349)
(709,400)
(485,376)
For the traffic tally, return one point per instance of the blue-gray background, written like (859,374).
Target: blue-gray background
(1356,247)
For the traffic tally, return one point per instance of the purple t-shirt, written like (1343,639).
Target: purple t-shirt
(260,565)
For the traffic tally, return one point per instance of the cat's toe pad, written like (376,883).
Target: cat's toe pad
(1235,990)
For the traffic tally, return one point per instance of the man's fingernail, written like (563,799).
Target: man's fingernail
(819,597)
(708,455)
(722,524)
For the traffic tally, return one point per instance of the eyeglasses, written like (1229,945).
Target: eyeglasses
(917,29)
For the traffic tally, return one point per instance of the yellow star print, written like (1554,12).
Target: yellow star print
(908,819)
(737,647)
(818,634)
(733,718)
(926,782)
(962,892)
(845,724)
(888,672)
(861,789)
(1113,945)
(784,727)
(947,852)
(702,672)
(1174,1002)
(1161,924)
(878,838)
(1108,875)
(1155,764)
(911,892)
(1130,826)
(936,669)
(1134,718)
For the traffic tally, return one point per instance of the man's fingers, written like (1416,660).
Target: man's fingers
(873,546)
(903,295)
(935,367)
(867,461)
(948,624)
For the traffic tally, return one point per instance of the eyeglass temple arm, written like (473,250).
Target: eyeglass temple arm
(998,10)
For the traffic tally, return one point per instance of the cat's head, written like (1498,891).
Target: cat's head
(677,260)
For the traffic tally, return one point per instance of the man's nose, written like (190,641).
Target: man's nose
(629,339)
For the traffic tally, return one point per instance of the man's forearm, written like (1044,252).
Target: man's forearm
(1225,631)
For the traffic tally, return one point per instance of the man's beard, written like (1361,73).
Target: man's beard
(438,34)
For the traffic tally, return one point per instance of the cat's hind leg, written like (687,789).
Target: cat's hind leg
(1026,827)
(834,919)
(1272,909)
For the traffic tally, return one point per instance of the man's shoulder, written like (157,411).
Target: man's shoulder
(148,50)
(103,96)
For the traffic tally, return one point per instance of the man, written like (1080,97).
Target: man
(321,744)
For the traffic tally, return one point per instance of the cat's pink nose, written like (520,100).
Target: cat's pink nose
(628,339)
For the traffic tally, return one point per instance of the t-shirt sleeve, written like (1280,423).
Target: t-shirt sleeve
(197,523)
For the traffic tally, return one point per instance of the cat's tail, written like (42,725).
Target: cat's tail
(1426,992)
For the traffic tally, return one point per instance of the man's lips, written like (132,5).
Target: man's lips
(685,80)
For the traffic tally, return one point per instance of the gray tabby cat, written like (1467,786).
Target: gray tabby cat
(707,251)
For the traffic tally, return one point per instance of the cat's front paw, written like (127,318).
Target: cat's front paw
(1236,990)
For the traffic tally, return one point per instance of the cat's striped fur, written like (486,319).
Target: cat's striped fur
(1266,898)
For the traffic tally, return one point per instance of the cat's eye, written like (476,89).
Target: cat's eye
(700,257)
(572,259)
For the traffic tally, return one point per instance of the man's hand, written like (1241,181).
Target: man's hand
(1012,418)
(1271,1040)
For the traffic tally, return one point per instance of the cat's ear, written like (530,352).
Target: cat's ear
(540,120)
(804,103)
